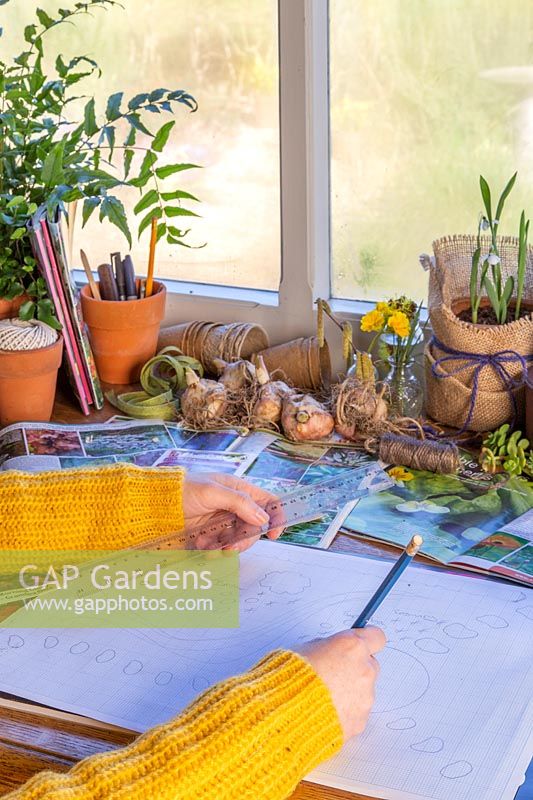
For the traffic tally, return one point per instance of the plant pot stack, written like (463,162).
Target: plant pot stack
(452,396)
(209,341)
(30,356)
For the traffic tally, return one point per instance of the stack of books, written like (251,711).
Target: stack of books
(49,249)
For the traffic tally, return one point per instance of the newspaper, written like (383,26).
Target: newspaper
(38,447)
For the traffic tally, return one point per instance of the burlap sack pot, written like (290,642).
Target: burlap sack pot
(449,399)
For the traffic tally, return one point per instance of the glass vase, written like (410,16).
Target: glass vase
(352,371)
(404,391)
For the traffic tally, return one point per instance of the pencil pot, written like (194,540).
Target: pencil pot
(28,383)
(123,334)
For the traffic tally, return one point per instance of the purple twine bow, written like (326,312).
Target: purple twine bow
(479,361)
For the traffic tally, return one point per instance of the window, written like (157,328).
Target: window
(226,54)
(425,96)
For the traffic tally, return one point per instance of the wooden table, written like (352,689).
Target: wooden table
(31,742)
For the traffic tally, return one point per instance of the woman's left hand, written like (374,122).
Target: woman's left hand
(205,495)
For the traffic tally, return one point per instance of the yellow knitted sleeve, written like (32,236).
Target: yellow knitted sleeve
(89,509)
(252,737)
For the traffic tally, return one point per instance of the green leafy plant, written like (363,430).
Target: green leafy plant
(486,272)
(506,451)
(48,157)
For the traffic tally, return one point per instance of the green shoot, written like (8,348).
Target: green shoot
(498,291)
(522,259)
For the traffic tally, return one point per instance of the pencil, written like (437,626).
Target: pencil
(92,283)
(151,259)
(381,593)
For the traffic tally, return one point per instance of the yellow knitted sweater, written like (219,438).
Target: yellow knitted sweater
(89,509)
(252,737)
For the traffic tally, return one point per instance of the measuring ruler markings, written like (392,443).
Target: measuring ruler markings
(304,504)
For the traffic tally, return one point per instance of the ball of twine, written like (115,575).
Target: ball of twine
(16,334)
(406,451)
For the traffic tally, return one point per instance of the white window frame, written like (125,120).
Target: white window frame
(305,197)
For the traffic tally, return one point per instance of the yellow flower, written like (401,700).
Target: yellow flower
(384,308)
(399,324)
(401,474)
(373,321)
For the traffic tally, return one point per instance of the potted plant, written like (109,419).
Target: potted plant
(48,157)
(480,307)
(30,357)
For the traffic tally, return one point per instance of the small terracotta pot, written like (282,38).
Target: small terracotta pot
(10,308)
(123,334)
(28,383)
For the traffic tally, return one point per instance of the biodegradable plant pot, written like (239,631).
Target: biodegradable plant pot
(28,383)
(302,362)
(209,341)
(123,334)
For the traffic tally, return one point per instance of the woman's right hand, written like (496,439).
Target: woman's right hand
(346,663)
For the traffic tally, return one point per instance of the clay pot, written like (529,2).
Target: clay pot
(10,308)
(123,334)
(28,383)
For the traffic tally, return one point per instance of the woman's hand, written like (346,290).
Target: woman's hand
(347,665)
(205,495)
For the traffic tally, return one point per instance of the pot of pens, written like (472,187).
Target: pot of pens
(123,315)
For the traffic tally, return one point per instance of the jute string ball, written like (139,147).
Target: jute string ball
(406,451)
(17,334)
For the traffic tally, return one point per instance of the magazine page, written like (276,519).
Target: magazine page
(72,297)
(281,466)
(507,552)
(38,447)
(452,512)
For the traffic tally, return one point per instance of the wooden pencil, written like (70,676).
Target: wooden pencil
(95,291)
(375,601)
(151,259)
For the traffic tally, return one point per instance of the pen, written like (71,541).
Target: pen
(129,278)
(116,260)
(375,601)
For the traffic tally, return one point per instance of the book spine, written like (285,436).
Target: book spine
(41,256)
(66,314)
(72,296)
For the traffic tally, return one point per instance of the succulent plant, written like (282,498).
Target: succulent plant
(497,439)
(506,451)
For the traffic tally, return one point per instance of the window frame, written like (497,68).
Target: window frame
(304,191)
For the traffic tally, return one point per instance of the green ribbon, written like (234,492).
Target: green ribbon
(162,377)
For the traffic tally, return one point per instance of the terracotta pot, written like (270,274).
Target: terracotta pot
(28,383)
(123,334)
(10,308)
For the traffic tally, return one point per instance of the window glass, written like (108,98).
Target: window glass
(425,96)
(225,53)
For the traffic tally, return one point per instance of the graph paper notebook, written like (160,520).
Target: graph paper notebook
(453,714)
